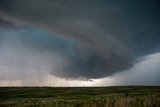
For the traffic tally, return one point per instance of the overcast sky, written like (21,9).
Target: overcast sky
(79,43)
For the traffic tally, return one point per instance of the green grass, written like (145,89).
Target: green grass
(138,96)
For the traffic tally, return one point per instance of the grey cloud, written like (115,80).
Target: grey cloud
(145,72)
(108,35)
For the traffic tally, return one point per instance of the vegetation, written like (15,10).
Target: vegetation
(131,96)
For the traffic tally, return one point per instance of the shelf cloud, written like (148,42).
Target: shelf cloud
(92,38)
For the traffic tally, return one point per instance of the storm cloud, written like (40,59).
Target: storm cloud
(95,38)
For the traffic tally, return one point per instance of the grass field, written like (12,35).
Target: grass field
(131,96)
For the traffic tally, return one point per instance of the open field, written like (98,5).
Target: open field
(130,96)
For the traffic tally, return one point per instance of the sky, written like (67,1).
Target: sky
(79,43)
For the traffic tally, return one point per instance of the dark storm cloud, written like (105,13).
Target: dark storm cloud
(108,35)
(5,23)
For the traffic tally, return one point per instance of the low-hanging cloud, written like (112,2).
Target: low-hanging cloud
(145,72)
(106,37)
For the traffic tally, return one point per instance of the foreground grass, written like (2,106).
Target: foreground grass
(137,96)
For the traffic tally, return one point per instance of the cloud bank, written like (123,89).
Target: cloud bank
(146,72)
(96,38)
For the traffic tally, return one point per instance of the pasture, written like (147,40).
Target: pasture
(118,96)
